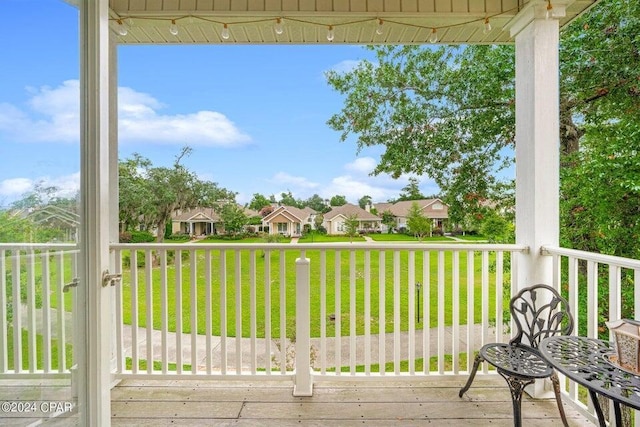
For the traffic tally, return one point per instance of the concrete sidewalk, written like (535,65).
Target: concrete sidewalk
(187,343)
(244,346)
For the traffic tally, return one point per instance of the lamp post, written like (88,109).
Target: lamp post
(418,286)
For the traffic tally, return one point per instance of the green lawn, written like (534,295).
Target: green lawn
(217,239)
(475,238)
(275,285)
(54,346)
(288,284)
(325,238)
(405,238)
(59,270)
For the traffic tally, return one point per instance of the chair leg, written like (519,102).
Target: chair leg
(516,386)
(472,375)
(556,390)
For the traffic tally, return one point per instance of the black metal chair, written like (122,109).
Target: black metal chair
(539,312)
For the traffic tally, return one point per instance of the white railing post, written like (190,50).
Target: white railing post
(303,380)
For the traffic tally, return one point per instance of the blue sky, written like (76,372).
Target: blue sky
(255,116)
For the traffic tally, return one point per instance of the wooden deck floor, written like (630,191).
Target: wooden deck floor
(432,402)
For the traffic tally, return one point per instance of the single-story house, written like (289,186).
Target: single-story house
(335,219)
(435,209)
(201,221)
(196,222)
(289,220)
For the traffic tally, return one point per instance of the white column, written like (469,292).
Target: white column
(303,379)
(94,360)
(537,137)
(114,196)
(537,143)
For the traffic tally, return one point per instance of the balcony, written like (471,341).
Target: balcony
(300,325)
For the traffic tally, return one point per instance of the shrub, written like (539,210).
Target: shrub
(272,238)
(142,237)
(179,237)
(126,260)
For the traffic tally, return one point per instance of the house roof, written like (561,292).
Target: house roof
(401,208)
(197,214)
(298,214)
(382,207)
(206,214)
(309,211)
(309,21)
(349,210)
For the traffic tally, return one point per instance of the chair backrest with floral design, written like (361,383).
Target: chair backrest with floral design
(539,312)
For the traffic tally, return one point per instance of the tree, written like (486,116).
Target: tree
(133,191)
(266,211)
(42,215)
(600,192)
(338,200)
(287,199)
(419,225)
(411,191)
(258,202)
(496,228)
(319,219)
(14,228)
(364,201)
(600,71)
(39,196)
(150,195)
(448,113)
(316,203)
(233,218)
(351,226)
(389,220)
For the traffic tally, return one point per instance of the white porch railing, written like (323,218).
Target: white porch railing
(36,309)
(229,310)
(585,276)
(236,310)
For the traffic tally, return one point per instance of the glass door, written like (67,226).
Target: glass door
(41,366)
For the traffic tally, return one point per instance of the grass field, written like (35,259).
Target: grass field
(406,238)
(324,238)
(215,239)
(280,285)
(39,349)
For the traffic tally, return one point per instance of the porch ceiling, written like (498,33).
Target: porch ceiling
(308,21)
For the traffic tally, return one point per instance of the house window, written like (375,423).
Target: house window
(437,206)
(282,227)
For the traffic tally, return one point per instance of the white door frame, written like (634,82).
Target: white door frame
(95,300)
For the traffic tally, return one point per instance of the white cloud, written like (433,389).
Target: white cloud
(54,116)
(14,188)
(68,185)
(362,165)
(354,188)
(354,184)
(293,183)
(345,66)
